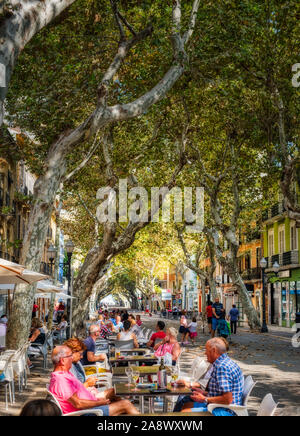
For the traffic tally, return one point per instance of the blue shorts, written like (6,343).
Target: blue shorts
(105,410)
(218,411)
(199,407)
(214,323)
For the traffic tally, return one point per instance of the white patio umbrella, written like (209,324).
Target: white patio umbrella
(45,286)
(10,268)
(27,277)
(62,296)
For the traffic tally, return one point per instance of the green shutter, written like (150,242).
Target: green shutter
(276,248)
(287,224)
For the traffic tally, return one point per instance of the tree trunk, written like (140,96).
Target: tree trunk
(45,190)
(252,316)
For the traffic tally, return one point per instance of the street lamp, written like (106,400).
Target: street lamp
(263,265)
(51,254)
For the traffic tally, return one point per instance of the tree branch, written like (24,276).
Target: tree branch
(84,162)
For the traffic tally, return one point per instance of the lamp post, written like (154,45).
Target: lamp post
(69,246)
(263,265)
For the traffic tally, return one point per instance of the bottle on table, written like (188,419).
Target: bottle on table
(162,375)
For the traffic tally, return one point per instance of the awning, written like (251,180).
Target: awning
(295,277)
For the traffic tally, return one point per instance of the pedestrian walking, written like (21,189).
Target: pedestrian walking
(234,316)
(183,329)
(193,330)
(218,312)
(209,316)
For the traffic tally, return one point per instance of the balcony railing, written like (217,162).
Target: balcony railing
(7,256)
(275,210)
(251,274)
(287,258)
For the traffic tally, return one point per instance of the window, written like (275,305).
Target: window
(281,240)
(247,261)
(294,241)
(271,243)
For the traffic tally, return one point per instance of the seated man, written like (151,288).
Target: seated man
(72,394)
(89,356)
(225,385)
(160,334)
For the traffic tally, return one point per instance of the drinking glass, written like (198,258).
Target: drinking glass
(129,372)
(135,376)
(174,375)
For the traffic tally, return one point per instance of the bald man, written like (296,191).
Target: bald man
(72,394)
(89,356)
(225,385)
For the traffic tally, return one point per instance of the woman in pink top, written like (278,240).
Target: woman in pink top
(168,348)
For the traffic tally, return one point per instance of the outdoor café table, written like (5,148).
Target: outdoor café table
(140,359)
(122,389)
(133,350)
(143,370)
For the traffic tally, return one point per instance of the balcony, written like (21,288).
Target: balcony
(284,259)
(7,256)
(251,274)
(276,210)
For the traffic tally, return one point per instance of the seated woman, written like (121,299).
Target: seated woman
(78,347)
(126,335)
(37,336)
(61,326)
(168,348)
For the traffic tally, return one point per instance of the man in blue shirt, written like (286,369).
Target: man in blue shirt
(89,356)
(225,385)
(218,312)
(234,316)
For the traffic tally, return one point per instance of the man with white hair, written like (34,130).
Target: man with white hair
(72,395)
(225,385)
(90,343)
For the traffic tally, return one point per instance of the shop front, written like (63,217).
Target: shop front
(284,298)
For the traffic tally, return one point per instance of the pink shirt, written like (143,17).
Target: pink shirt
(164,349)
(63,385)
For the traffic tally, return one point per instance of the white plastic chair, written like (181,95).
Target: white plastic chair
(267,406)
(2,341)
(239,410)
(124,345)
(7,369)
(198,369)
(52,397)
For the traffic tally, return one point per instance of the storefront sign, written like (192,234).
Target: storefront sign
(284,274)
(166,296)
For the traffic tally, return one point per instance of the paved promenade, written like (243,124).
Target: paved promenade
(270,358)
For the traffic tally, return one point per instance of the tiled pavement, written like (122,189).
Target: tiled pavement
(270,358)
